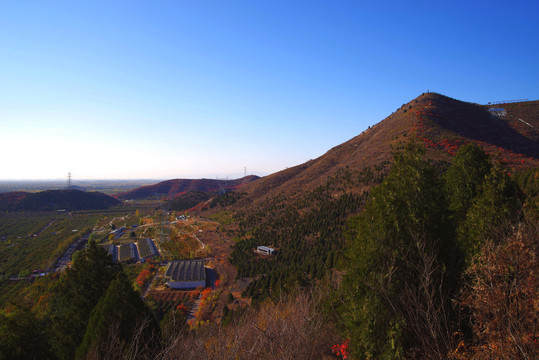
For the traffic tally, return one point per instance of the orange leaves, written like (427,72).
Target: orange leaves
(144,276)
(182,309)
(204,294)
(146,221)
(504,300)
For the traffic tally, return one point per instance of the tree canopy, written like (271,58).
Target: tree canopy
(119,318)
(465,176)
(408,250)
(22,336)
(76,294)
(400,251)
(483,200)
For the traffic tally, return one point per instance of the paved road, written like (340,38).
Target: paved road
(45,228)
(201,243)
(64,259)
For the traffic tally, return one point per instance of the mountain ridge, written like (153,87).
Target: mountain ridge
(169,189)
(441,123)
(49,200)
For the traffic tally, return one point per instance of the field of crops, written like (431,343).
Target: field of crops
(34,240)
(172,295)
(163,301)
(30,241)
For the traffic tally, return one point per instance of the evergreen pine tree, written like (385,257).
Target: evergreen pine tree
(115,320)
(401,252)
(76,294)
(22,336)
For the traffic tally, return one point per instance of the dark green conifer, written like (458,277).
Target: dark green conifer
(22,336)
(76,294)
(401,252)
(465,177)
(119,318)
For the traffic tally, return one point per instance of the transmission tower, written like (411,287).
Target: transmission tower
(68,181)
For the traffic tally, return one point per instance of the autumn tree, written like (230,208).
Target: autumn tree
(290,329)
(503,299)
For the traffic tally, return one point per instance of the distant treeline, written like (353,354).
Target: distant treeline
(56,200)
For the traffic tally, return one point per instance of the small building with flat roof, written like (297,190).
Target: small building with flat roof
(186,274)
(265,250)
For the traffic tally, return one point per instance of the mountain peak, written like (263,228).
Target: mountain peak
(441,123)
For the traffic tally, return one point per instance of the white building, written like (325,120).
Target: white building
(265,250)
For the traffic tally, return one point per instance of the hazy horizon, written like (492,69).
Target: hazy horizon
(138,90)
(75,180)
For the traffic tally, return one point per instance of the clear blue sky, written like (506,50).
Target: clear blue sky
(170,89)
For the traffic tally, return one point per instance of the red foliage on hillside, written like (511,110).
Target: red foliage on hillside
(13,197)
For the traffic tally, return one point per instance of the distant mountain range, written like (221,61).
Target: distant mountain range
(172,188)
(56,200)
(508,132)
(441,123)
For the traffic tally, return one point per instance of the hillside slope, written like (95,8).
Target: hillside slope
(303,211)
(443,124)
